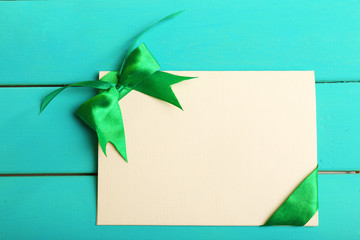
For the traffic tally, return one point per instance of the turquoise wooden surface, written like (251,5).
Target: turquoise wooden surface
(65,208)
(338,126)
(57,42)
(58,142)
(67,41)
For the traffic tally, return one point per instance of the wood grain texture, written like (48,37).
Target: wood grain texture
(57,42)
(65,208)
(47,42)
(338,126)
(58,142)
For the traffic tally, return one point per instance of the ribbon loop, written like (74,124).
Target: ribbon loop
(139,65)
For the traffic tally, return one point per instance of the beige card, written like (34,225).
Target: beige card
(243,143)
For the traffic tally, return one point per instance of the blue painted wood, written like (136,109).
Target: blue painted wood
(55,141)
(338,126)
(67,41)
(58,142)
(65,208)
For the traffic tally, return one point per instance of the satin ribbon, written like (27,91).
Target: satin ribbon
(139,71)
(300,206)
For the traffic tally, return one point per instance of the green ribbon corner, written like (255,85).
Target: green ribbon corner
(300,206)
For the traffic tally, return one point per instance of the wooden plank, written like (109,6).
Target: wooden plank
(58,142)
(55,141)
(65,208)
(338,128)
(48,42)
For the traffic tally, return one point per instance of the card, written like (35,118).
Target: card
(242,144)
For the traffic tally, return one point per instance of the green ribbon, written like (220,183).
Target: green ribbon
(139,71)
(300,206)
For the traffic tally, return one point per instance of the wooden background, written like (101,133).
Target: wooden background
(48,163)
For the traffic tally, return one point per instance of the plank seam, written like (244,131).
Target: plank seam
(63,85)
(46,174)
(32,86)
(323,82)
(95,174)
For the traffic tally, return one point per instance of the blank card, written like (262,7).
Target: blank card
(244,141)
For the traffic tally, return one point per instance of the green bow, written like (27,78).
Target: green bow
(139,71)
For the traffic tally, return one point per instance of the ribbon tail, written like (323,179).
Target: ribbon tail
(128,52)
(300,206)
(112,130)
(102,113)
(104,85)
(158,85)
